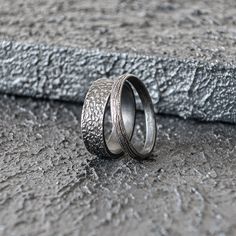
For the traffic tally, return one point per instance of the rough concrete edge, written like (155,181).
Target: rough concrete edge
(187,88)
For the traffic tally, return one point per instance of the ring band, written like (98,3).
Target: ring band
(118,122)
(93,117)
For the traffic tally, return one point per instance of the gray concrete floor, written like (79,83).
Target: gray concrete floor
(184,51)
(50,185)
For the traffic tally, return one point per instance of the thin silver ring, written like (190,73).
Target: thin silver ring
(93,115)
(118,122)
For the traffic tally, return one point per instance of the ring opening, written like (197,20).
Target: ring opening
(128,108)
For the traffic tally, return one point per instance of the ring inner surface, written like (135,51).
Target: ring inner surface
(150,124)
(128,108)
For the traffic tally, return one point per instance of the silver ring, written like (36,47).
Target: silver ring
(118,122)
(95,107)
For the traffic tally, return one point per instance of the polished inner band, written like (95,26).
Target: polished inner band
(128,109)
(93,118)
(118,120)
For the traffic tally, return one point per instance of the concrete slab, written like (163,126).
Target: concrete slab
(203,30)
(54,49)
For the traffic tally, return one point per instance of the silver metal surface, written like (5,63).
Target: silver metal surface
(96,106)
(118,121)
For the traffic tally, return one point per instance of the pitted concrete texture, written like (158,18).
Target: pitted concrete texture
(50,185)
(194,29)
(190,47)
(186,88)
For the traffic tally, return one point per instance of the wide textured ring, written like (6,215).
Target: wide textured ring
(96,105)
(118,119)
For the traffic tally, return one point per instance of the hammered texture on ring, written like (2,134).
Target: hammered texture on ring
(93,116)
